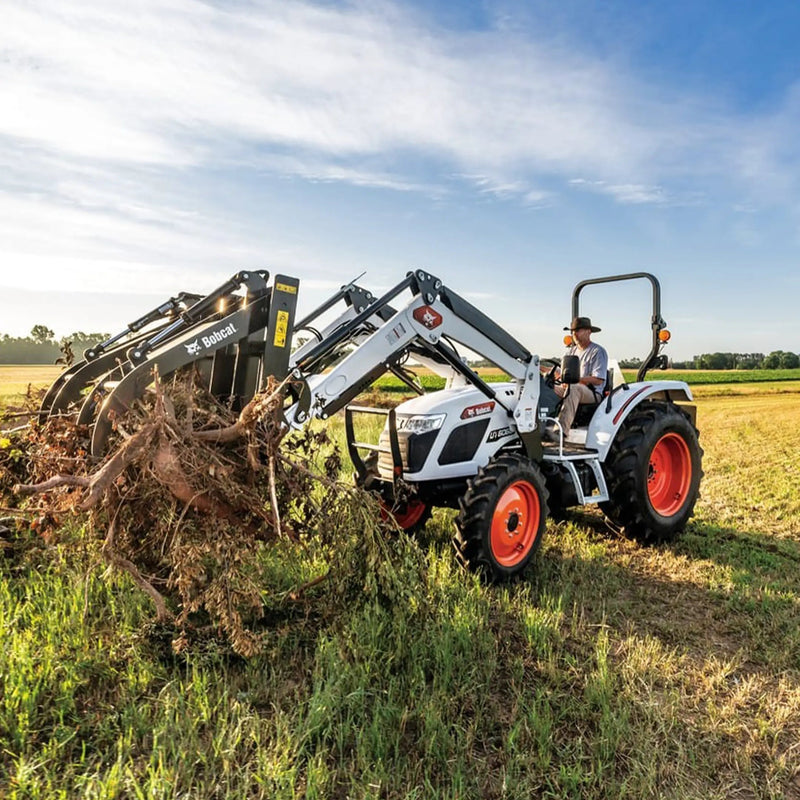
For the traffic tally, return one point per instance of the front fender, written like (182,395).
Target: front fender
(609,417)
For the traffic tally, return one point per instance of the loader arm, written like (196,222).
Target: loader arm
(423,326)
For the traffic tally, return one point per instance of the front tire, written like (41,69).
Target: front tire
(653,472)
(502,518)
(411,515)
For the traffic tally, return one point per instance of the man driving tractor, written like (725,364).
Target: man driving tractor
(594,372)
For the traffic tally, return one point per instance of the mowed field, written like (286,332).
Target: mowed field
(611,671)
(15,379)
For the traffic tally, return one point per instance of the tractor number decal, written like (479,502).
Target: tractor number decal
(395,333)
(478,411)
(281,329)
(426,316)
(285,287)
(499,433)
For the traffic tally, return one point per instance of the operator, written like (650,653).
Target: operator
(594,372)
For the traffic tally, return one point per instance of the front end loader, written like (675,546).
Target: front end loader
(473,446)
(234,339)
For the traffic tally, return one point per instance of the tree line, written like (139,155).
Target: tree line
(777,359)
(41,346)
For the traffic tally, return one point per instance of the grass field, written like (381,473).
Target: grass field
(15,379)
(611,671)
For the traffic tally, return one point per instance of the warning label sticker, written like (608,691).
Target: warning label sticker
(281,329)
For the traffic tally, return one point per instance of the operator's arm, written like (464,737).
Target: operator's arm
(595,367)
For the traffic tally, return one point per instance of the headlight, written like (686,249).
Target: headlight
(423,423)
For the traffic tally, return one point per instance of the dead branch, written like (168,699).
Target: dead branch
(248,417)
(167,468)
(114,558)
(131,450)
(297,594)
(273,495)
(25,489)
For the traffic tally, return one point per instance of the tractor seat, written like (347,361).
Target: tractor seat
(585,412)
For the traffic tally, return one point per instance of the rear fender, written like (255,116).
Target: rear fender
(611,414)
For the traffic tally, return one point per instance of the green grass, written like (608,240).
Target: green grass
(15,379)
(692,377)
(611,671)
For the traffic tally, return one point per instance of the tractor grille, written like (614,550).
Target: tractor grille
(414,449)
(385,466)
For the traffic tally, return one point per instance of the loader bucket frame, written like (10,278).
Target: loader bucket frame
(235,352)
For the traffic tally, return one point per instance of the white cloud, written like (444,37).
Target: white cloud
(183,82)
(115,120)
(629,193)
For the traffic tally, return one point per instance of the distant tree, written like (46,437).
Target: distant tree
(790,361)
(41,334)
(749,360)
(81,339)
(714,361)
(773,360)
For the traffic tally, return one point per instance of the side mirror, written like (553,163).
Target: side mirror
(570,369)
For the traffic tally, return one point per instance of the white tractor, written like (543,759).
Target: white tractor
(473,445)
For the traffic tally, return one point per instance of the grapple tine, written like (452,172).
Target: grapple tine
(68,387)
(199,345)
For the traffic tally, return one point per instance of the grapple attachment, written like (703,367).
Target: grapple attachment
(233,343)
(232,340)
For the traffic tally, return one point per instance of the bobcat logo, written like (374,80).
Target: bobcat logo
(428,317)
(192,348)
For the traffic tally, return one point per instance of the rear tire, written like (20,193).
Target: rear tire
(502,518)
(653,472)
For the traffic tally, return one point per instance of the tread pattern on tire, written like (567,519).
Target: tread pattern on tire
(626,467)
(472,539)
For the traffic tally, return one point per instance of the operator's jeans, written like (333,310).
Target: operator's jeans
(578,393)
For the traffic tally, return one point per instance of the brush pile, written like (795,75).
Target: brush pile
(190,498)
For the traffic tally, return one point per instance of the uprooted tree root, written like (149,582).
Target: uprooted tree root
(190,497)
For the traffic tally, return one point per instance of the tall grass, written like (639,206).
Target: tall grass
(611,671)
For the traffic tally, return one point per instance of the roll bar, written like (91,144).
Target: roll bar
(657,322)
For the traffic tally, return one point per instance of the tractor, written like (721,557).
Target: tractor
(474,446)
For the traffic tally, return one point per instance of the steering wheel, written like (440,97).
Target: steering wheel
(550,378)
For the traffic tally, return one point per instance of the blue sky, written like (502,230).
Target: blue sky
(511,148)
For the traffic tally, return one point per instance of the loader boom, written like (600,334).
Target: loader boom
(425,326)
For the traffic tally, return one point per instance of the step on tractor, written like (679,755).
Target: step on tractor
(474,446)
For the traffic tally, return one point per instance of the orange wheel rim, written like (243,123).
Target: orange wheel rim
(669,474)
(414,511)
(515,523)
